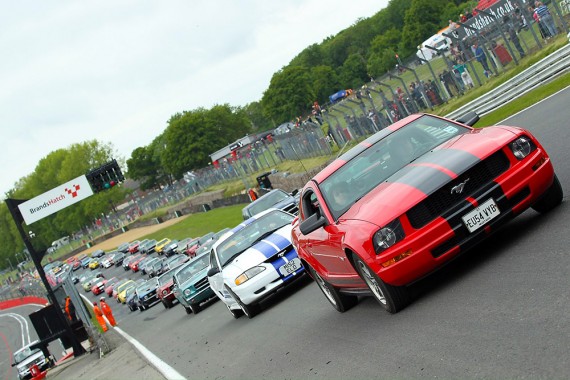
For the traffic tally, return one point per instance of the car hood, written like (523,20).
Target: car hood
(194,279)
(30,359)
(146,290)
(425,175)
(166,286)
(259,252)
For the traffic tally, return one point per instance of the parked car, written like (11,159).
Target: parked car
(157,268)
(121,290)
(161,244)
(27,356)
(174,262)
(170,248)
(164,290)
(193,246)
(146,294)
(118,259)
(98,253)
(148,247)
(108,260)
(145,264)
(98,286)
(94,264)
(134,264)
(85,262)
(128,260)
(253,261)
(190,284)
(124,248)
(110,285)
(131,298)
(134,246)
(276,198)
(421,192)
(89,281)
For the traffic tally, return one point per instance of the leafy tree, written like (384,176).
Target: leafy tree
(192,136)
(354,72)
(422,20)
(289,94)
(325,82)
(259,122)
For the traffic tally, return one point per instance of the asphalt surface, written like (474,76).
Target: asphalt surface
(500,311)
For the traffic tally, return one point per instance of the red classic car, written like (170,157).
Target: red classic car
(410,198)
(165,289)
(99,286)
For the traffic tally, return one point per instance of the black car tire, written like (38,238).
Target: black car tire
(142,308)
(188,310)
(235,313)
(250,310)
(391,298)
(195,308)
(341,302)
(551,197)
(167,304)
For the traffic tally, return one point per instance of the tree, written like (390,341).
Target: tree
(192,136)
(289,94)
(422,20)
(325,82)
(259,122)
(353,72)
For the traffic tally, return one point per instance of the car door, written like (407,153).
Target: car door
(217,280)
(325,243)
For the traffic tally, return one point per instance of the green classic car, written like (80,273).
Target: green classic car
(191,286)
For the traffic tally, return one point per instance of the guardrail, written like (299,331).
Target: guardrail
(555,64)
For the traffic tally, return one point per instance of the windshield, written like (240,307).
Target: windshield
(25,353)
(267,201)
(376,164)
(164,279)
(250,234)
(191,269)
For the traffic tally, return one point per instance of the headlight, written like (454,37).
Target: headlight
(522,147)
(164,292)
(188,292)
(386,237)
(252,272)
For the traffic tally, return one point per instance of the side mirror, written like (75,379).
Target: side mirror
(295,192)
(470,118)
(213,271)
(312,223)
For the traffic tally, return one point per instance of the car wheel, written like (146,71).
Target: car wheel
(235,313)
(391,298)
(551,197)
(141,308)
(195,308)
(188,310)
(250,310)
(341,302)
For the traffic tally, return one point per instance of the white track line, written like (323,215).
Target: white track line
(160,365)
(11,315)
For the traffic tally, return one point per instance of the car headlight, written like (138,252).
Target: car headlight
(188,292)
(387,236)
(522,147)
(252,272)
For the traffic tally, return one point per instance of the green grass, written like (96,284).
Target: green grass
(200,224)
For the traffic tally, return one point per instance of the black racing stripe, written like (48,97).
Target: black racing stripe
(454,160)
(424,178)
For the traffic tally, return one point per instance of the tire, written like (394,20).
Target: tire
(188,310)
(165,304)
(195,308)
(250,310)
(341,302)
(391,298)
(235,313)
(551,198)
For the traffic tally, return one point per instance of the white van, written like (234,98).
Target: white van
(60,242)
(437,41)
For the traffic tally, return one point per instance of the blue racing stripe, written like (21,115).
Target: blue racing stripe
(279,241)
(265,248)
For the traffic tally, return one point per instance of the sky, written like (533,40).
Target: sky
(116,71)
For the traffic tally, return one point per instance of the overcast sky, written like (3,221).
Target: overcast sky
(116,71)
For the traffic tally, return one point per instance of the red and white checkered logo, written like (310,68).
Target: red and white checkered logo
(73,192)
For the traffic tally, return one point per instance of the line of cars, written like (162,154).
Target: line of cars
(384,214)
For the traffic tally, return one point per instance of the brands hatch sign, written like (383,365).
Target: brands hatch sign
(499,9)
(55,200)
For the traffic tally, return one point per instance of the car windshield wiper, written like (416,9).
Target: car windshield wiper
(268,233)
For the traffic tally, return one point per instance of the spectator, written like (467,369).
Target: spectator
(481,58)
(513,34)
(464,74)
(545,17)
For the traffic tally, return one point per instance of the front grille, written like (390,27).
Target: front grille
(202,283)
(442,200)
(292,209)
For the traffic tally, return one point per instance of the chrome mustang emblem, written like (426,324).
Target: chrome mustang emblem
(458,189)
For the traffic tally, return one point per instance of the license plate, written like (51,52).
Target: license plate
(291,267)
(481,215)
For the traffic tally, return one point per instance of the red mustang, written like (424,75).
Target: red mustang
(410,198)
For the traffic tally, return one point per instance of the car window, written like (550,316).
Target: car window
(194,267)
(267,201)
(309,204)
(383,159)
(252,232)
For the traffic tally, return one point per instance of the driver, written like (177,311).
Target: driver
(340,194)
(402,151)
